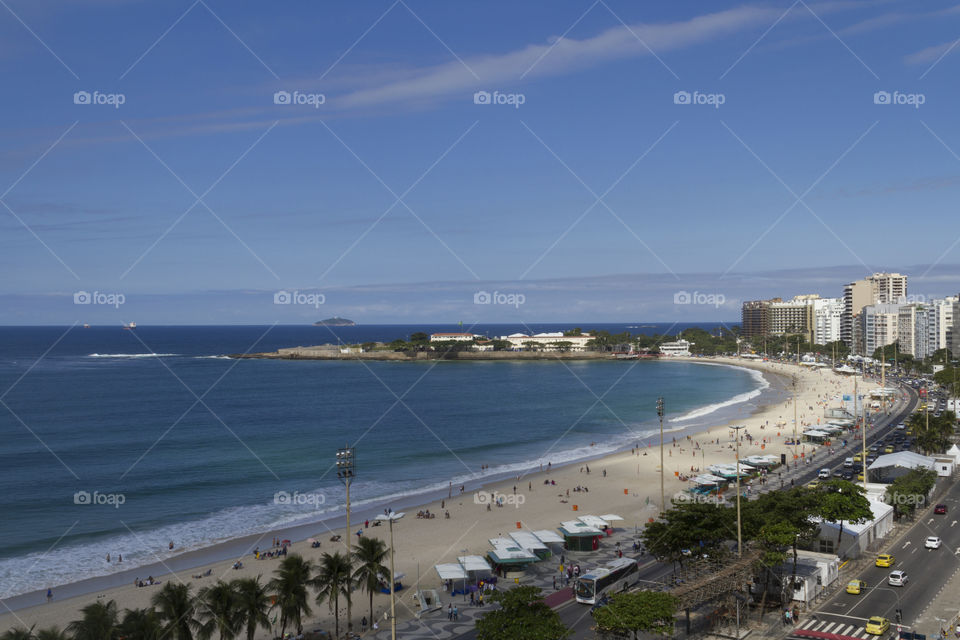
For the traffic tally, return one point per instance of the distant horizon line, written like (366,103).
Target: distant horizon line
(379,324)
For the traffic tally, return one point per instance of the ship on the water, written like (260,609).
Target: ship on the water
(130,326)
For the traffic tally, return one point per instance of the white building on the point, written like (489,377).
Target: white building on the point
(678,347)
(458,337)
(553,341)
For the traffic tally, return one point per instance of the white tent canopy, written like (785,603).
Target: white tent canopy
(594,521)
(474,563)
(451,571)
(611,517)
(707,479)
(528,541)
(904,459)
(548,537)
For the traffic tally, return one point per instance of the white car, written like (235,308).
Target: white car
(824,473)
(897,579)
(933,542)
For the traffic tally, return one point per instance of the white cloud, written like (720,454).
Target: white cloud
(558,57)
(930,54)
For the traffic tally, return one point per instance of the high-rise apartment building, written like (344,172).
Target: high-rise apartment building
(879,288)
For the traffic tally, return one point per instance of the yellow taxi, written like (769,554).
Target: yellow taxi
(858,457)
(877,626)
(860,477)
(885,560)
(813,484)
(888,449)
(856,586)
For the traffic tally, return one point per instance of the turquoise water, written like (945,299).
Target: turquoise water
(194,448)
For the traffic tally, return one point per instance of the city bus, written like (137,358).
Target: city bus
(617,575)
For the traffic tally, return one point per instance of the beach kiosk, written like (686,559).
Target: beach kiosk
(531,543)
(598,523)
(579,536)
(510,558)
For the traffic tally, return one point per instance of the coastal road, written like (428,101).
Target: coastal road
(927,571)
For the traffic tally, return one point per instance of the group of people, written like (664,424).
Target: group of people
(273,553)
(425,514)
(145,583)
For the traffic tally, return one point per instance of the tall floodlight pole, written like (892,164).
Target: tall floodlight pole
(663,502)
(393,576)
(346,469)
(736,432)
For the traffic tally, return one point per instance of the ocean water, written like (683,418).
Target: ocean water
(120,441)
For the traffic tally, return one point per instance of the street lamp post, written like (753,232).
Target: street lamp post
(736,433)
(663,502)
(346,469)
(390,517)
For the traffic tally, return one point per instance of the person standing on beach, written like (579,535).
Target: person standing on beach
(50,592)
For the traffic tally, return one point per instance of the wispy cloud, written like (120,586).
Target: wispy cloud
(930,54)
(555,57)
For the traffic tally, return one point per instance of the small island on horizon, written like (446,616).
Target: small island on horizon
(335,321)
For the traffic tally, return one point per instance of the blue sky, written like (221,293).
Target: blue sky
(399,197)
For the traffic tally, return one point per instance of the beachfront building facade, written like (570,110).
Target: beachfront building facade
(909,328)
(879,326)
(553,341)
(879,288)
(794,316)
(755,318)
(827,313)
(456,337)
(938,325)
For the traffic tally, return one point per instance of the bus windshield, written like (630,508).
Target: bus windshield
(585,588)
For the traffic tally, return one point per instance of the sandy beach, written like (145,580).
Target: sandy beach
(625,483)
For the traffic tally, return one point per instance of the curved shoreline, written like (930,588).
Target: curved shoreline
(230,549)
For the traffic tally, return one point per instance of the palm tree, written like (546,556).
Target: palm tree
(175,605)
(141,624)
(216,606)
(252,604)
(289,589)
(334,578)
(18,633)
(99,622)
(369,556)
(52,633)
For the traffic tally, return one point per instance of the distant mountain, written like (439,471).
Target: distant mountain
(335,321)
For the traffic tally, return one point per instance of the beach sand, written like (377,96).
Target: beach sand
(630,488)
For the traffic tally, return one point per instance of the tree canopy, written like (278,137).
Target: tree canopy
(522,614)
(637,612)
